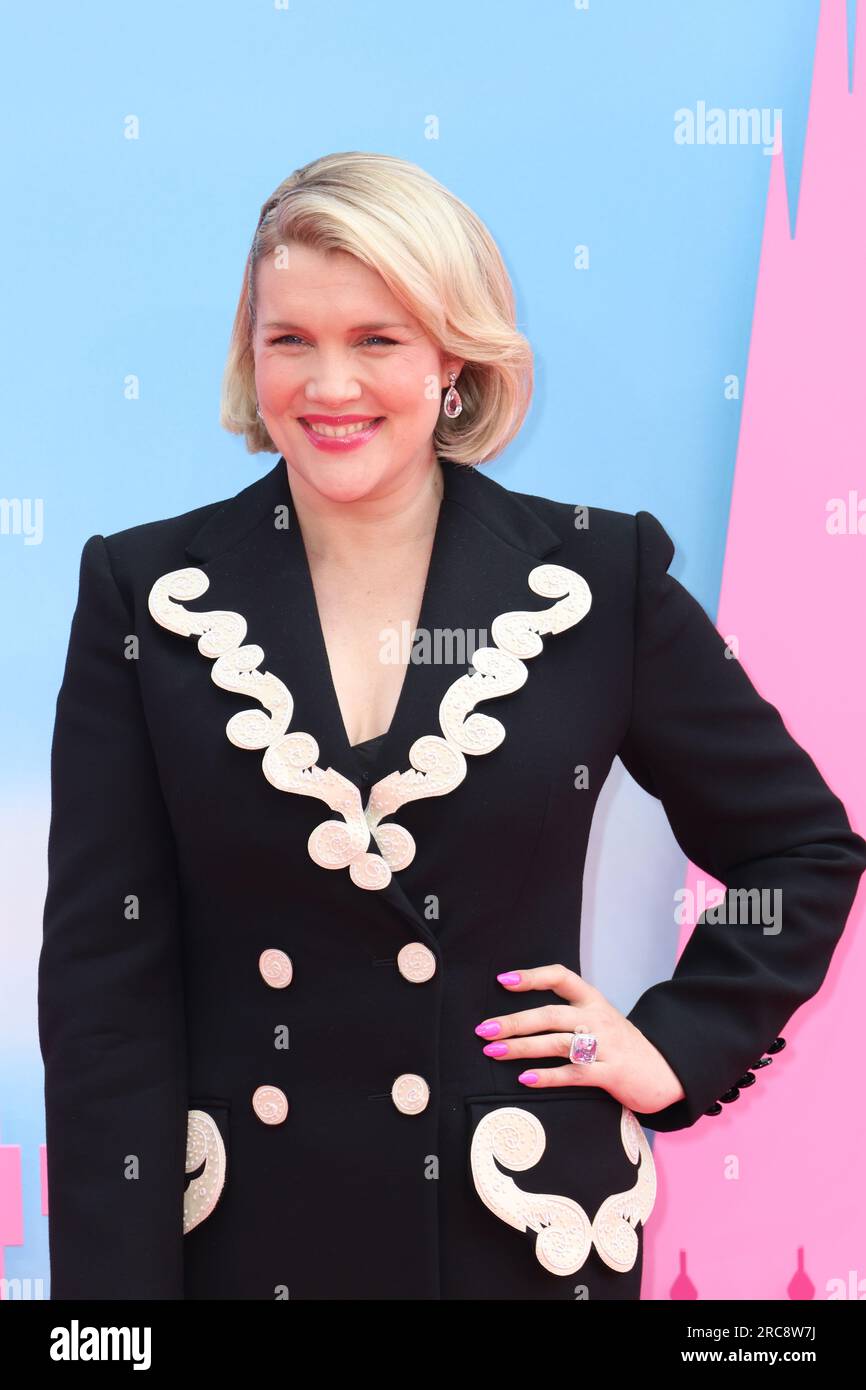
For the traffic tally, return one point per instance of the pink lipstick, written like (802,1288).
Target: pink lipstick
(355,431)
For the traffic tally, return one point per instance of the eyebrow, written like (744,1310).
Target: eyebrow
(358,328)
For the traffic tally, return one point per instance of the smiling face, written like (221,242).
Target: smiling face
(332,341)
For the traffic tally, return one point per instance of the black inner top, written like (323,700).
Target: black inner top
(367,751)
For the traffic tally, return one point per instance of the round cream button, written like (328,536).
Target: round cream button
(410,1093)
(275,968)
(416,963)
(270,1104)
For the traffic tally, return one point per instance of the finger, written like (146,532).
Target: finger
(539,1045)
(587,1074)
(564,982)
(548,1018)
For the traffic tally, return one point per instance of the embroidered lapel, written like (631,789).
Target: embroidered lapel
(486,545)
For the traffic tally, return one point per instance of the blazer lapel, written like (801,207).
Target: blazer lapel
(485,545)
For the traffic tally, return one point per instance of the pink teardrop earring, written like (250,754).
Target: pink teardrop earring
(452,405)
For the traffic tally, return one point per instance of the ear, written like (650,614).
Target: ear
(455,365)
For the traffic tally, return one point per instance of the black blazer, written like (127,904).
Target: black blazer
(257,1003)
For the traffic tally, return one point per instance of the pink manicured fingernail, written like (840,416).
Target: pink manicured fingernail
(528,1078)
(509,977)
(495,1049)
(488,1029)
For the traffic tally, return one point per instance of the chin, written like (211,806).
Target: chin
(343,479)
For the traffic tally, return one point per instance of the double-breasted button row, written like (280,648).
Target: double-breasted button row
(417,964)
(269,1102)
(748,1079)
(410,1092)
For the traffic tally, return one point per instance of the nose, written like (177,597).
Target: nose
(332,382)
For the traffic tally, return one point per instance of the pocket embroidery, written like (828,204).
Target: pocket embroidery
(565,1234)
(204,1144)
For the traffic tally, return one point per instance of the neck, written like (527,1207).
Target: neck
(346,533)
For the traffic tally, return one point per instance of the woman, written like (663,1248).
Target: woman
(310,998)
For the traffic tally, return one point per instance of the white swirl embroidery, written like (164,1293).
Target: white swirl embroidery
(204,1144)
(565,1233)
(290,762)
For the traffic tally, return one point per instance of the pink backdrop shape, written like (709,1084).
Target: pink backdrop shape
(793,597)
(11,1203)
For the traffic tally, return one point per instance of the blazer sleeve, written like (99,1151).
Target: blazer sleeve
(110,992)
(747,804)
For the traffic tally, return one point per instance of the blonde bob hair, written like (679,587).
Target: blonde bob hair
(436,257)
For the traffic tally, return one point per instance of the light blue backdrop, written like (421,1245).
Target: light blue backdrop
(555,122)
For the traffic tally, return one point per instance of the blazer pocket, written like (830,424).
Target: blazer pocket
(586,1175)
(207,1155)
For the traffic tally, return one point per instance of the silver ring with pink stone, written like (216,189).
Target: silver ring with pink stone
(583,1047)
